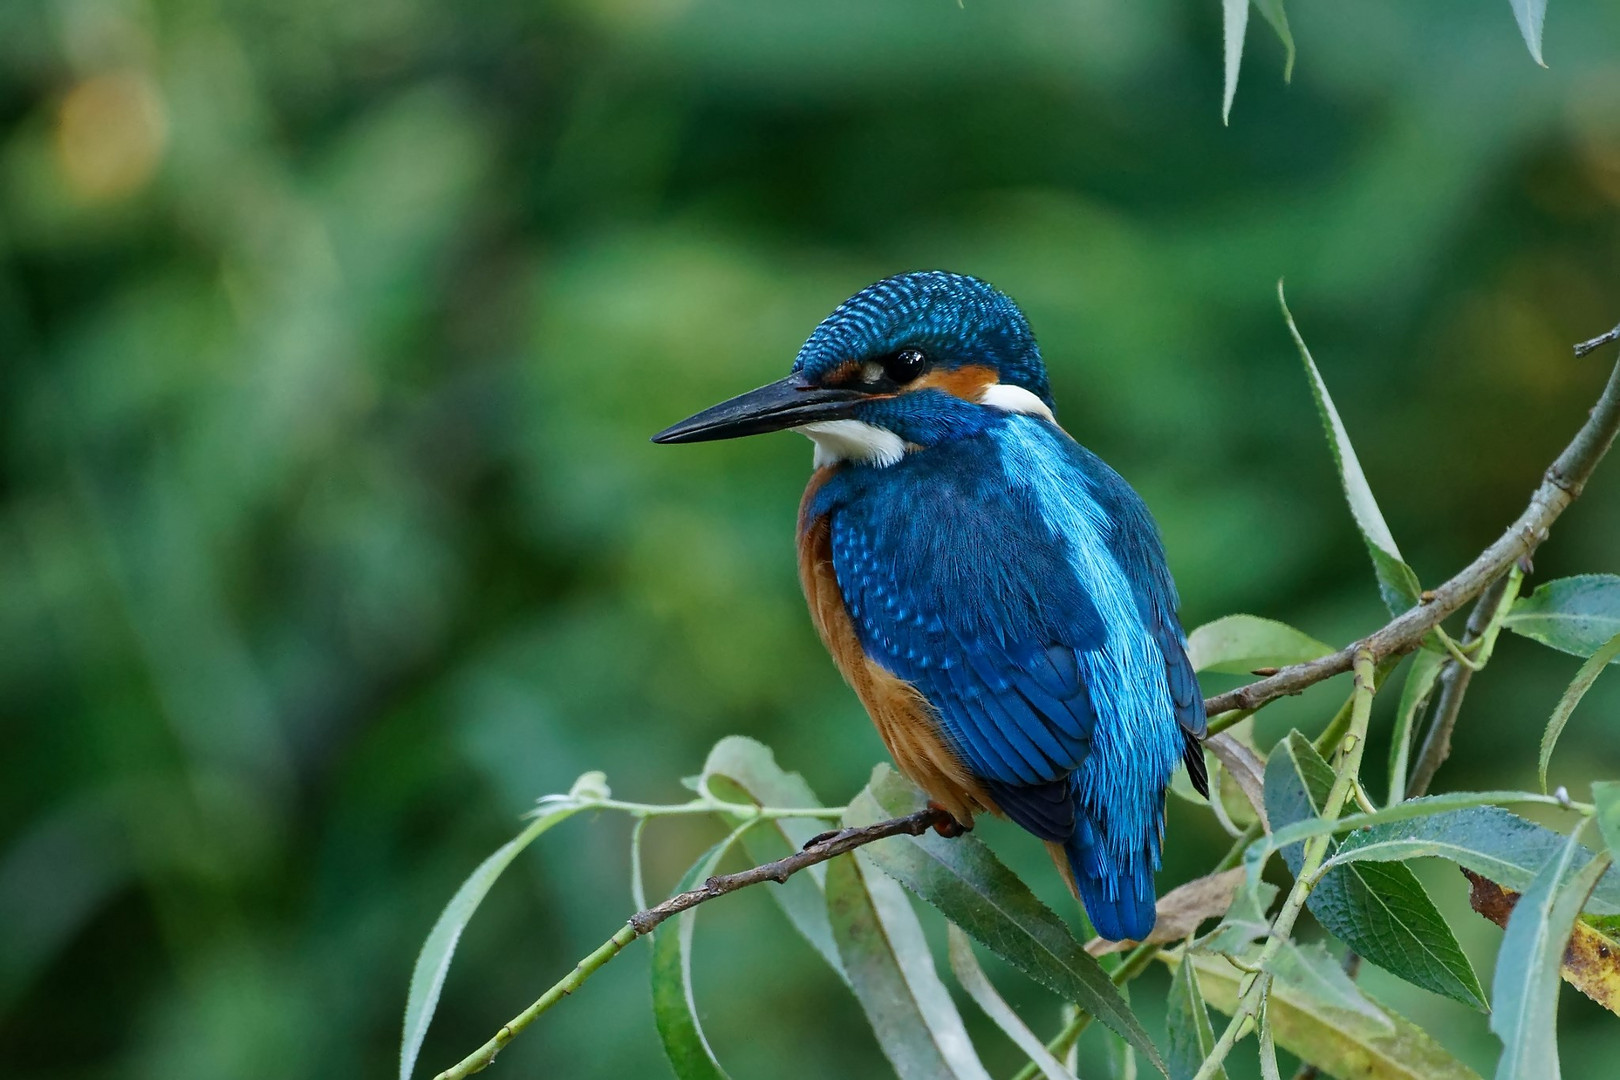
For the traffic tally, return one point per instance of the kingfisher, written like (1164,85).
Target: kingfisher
(997,596)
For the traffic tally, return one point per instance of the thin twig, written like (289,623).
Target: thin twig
(819,850)
(1559,487)
(1597,343)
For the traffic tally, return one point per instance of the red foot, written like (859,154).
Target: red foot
(948,826)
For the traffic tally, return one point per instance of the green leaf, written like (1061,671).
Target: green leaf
(974,890)
(1237,644)
(1188,1035)
(1524,992)
(1268,1051)
(1606,798)
(1235,23)
(1318,973)
(1578,686)
(674,1009)
(1396,581)
(1575,614)
(1278,18)
(1121,1054)
(1420,680)
(1531,14)
(1380,910)
(1488,840)
(1254,858)
(886,959)
(433,962)
(742,770)
(1339,1043)
(1245,921)
(978,986)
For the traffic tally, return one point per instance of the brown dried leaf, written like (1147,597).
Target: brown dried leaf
(1591,959)
(1246,767)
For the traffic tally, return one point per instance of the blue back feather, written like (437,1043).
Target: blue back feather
(1019,584)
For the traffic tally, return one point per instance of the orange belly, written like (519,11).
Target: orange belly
(904,720)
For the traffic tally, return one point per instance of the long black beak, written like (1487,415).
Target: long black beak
(786,403)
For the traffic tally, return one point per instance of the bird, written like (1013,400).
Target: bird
(995,594)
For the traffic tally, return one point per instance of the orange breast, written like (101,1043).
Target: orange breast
(903,718)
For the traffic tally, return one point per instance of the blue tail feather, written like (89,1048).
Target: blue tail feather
(1119,899)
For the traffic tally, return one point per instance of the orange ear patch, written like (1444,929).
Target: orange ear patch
(966,382)
(904,720)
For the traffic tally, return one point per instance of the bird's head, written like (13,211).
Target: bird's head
(911,361)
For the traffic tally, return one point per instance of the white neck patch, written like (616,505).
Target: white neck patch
(1015,399)
(853,440)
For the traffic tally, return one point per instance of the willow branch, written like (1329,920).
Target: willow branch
(819,850)
(1561,485)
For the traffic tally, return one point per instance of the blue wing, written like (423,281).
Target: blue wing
(960,588)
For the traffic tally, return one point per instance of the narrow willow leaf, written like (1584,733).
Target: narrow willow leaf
(1531,14)
(1397,582)
(1339,1043)
(1488,840)
(741,770)
(1246,770)
(1578,686)
(1237,644)
(1524,993)
(1606,799)
(974,890)
(433,962)
(1316,972)
(1424,806)
(1189,1036)
(1278,18)
(674,1008)
(978,986)
(1121,1054)
(1380,909)
(1574,614)
(1235,23)
(1245,921)
(1420,680)
(892,973)
(1268,1051)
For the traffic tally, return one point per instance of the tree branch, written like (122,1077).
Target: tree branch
(1561,485)
(824,847)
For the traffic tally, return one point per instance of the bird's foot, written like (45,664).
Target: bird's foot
(820,838)
(948,826)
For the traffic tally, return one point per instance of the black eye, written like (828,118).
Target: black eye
(903,366)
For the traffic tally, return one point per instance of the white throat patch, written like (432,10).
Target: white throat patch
(1015,399)
(853,440)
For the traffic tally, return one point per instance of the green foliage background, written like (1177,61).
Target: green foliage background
(330,339)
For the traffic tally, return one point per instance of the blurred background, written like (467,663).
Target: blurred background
(331,336)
